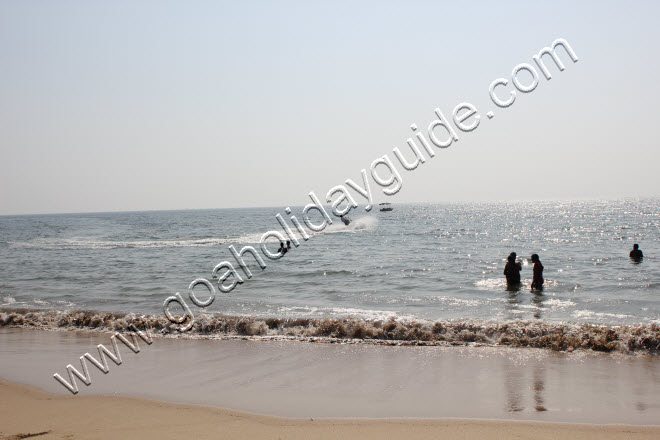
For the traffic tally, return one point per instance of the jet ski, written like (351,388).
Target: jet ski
(345,219)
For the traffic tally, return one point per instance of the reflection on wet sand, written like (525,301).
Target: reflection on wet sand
(539,386)
(516,388)
(513,391)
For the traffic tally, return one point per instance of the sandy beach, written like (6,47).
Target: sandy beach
(28,413)
(329,220)
(291,389)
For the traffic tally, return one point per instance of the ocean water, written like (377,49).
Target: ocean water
(419,262)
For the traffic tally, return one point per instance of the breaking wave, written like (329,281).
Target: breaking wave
(557,336)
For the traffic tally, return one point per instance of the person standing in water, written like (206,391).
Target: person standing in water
(537,281)
(518,263)
(636,253)
(512,272)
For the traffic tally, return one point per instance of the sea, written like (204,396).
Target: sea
(422,273)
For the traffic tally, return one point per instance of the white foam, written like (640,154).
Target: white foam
(586,314)
(361,224)
(340,312)
(559,302)
(105,244)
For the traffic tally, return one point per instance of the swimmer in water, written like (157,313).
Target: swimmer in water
(636,253)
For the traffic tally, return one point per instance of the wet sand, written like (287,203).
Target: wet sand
(29,413)
(302,380)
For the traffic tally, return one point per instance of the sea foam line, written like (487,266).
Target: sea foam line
(557,336)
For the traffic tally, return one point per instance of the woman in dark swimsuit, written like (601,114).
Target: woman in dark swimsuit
(537,281)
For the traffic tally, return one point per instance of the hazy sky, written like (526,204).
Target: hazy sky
(141,105)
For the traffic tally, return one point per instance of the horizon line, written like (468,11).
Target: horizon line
(603,199)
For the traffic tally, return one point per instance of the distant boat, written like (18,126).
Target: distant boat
(386,207)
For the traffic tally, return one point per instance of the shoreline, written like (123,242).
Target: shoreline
(558,336)
(28,412)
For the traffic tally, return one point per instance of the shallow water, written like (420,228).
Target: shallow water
(422,262)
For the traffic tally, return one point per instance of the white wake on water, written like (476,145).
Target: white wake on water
(107,244)
(361,224)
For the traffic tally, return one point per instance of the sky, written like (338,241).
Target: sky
(143,105)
